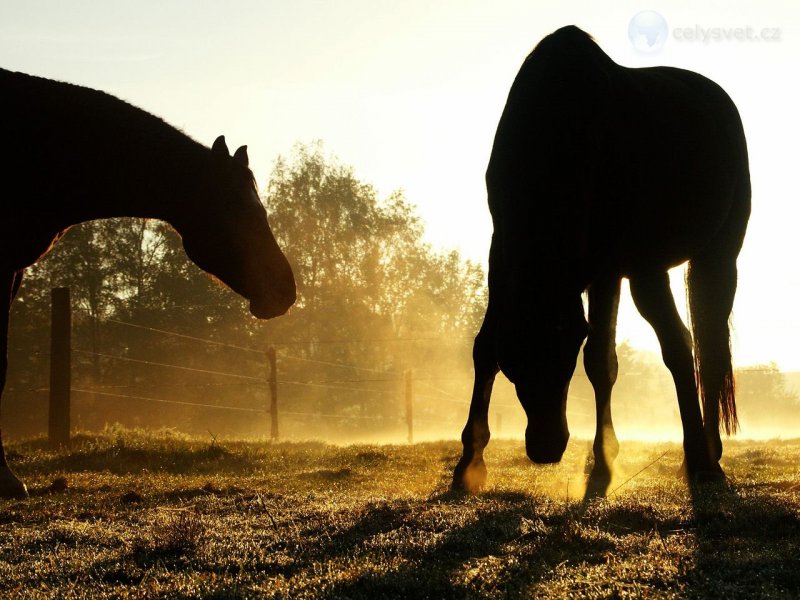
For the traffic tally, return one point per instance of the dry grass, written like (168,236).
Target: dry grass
(159,515)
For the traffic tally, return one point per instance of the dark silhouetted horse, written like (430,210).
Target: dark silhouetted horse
(73,154)
(600,172)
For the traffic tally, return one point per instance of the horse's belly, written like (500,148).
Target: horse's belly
(659,239)
(24,244)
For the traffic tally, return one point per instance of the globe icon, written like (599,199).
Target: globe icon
(648,31)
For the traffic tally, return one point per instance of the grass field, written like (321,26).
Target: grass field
(129,514)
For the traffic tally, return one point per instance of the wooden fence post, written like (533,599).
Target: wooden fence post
(273,392)
(409,406)
(60,364)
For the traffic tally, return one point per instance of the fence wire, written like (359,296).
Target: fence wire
(344,384)
(431,384)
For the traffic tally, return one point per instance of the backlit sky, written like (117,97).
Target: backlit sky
(409,94)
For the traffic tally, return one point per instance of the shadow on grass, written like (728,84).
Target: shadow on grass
(722,543)
(748,542)
(436,544)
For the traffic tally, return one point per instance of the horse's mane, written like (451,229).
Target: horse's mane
(88,106)
(53,116)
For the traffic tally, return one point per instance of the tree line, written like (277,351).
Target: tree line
(374,300)
(372,294)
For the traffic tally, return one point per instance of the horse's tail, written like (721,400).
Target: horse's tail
(710,286)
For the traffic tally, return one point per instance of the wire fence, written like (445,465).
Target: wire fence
(371,395)
(367,386)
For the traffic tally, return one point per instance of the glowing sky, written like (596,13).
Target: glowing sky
(410,92)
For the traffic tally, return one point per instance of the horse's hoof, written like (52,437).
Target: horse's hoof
(469,477)
(711,476)
(600,473)
(598,481)
(11,486)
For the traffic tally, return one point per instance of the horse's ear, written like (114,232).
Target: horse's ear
(220,146)
(240,156)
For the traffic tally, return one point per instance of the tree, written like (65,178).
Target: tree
(766,406)
(362,267)
(371,292)
(372,295)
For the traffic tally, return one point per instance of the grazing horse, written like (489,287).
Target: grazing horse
(73,154)
(600,172)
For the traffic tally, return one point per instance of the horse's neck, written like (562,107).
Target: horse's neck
(167,187)
(93,156)
(166,182)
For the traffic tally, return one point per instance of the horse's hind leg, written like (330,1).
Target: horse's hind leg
(653,298)
(470,472)
(600,362)
(10,485)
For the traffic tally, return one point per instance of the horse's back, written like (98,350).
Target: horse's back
(70,155)
(35,108)
(75,140)
(53,119)
(54,128)
(29,221)
(673,167)
(608,167)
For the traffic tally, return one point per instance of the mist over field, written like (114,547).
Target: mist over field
(157,343)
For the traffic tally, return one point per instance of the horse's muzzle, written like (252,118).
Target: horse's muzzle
(545,447)
(273,303)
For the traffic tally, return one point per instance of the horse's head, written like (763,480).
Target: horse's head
(228,236)
(537,353)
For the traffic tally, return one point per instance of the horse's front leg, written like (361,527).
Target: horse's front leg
(600,362)
(10,485)
(470,472)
